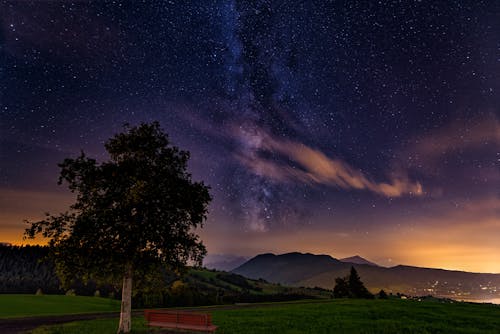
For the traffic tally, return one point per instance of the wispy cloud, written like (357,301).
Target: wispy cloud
(458,136)
(463,211)
(308,165)
(458,158)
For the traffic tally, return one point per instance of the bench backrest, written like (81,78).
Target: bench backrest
(178,317)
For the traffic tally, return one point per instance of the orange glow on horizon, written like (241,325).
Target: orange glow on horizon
(466,239)
(449,245)
(20,205)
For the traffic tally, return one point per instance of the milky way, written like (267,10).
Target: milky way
(353,120)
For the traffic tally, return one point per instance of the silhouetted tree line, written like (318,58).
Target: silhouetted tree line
(351,287)
(27,269)
(22,270)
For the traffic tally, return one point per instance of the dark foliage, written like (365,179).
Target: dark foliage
(351,287)
(341,289)
(382,295)
(22,270)
(356,287)
(28,269)
(132,213)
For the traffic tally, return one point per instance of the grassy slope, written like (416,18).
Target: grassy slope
(337,316)
(31,305)
(209,279)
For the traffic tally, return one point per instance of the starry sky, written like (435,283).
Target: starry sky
(334,127)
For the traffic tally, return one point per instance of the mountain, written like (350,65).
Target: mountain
(224,262)
(310,270)
(287,268)
(356,259)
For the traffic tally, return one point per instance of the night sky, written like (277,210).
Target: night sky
(335,127)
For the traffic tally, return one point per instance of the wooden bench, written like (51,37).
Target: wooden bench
(199,322)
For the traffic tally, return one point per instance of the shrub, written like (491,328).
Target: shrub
(71,292)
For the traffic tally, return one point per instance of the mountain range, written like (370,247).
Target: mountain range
(309,270)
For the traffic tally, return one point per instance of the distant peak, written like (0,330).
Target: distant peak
(294,255)
(264,255)
(356,259)
(302,254)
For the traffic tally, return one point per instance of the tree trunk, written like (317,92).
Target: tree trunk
(126,308)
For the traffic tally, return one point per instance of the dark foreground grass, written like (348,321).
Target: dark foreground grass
(337,316)
(99,326)
(364,316)
(14,306)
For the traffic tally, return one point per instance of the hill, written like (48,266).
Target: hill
(288,268)
(224,287)
(321,270)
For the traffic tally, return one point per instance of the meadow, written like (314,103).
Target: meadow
(16,306)
(334,316)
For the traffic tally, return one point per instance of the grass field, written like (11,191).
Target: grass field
(363,316)
(12,306)
(337,316)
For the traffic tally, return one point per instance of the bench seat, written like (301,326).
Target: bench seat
(200,322)
(175,325)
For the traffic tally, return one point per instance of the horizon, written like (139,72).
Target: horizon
(338,129)
(340,258)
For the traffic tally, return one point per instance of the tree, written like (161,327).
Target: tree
(382,295)
(341,289)
(135,213)
(351,287)
(356,287)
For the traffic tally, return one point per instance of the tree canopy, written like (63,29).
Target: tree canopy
(351,287)
(133,213)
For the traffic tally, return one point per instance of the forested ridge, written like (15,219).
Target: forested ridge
(26,269)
